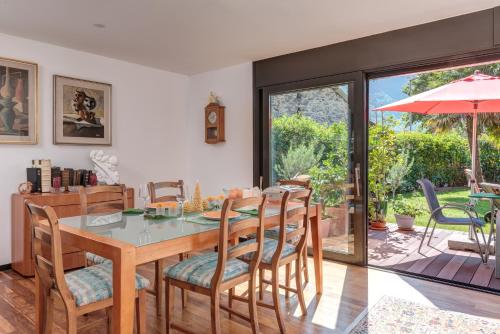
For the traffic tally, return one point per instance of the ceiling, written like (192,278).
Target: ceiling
(193,36)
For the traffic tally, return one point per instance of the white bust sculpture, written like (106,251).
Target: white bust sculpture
(105,167)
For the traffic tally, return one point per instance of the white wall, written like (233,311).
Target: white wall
(149,121)
(224,164)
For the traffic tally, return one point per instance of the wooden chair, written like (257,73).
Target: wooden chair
(120,204)
(283,252)
(274,232)
(212,273)
(153,188)
(81,291)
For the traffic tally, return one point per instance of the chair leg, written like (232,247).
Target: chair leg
(230,300)
(261,284)
(49,313)
(252,306)
(298,284)
(304,265)
(169,303)
(215,312)
(183,257)
(71,323)
(276,299)
(479,243)
(288,274)
(425,233)
(140,311)
(432,233)
(159,285)
(109,314)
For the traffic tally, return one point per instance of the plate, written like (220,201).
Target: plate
(216,215)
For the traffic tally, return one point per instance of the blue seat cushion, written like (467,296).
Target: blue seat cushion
(96,259)
(269,249)
(199,270)
(461,221)
(95,283)
(274,233)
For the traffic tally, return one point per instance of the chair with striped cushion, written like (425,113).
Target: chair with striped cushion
(81,291)
(118,193)
(283,252)
(273,233)
(212,273)
(153,189)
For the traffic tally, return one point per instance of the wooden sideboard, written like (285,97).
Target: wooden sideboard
(66,205)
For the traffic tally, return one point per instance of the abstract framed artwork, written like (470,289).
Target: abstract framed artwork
(82,112)
(18,102)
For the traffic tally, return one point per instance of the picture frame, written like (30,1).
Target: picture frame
(82,111)
(18,102)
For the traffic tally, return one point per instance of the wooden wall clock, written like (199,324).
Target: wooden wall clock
(214,123)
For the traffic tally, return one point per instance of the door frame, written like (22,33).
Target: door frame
(359,127)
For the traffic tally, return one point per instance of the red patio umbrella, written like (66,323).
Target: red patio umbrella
(477,93)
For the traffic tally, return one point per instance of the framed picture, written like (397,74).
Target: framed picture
(82,112)
(18,102)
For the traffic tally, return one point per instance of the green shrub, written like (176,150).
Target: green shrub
(490,159)
(440,158)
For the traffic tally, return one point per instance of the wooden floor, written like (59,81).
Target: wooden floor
(393,249)
(349,290)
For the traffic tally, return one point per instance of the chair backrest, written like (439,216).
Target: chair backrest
(118,191)
(296,214)
(153,188)
(431,197)
(299,183)
(492,188)
(47,249)
(231,230)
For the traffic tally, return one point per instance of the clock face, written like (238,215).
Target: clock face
(212,117)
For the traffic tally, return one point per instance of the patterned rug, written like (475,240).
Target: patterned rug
(394,315)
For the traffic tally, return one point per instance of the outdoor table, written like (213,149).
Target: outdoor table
(492,197)
(132,240)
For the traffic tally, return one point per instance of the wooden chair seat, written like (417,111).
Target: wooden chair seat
(95,283)
(199,270)
(269,249)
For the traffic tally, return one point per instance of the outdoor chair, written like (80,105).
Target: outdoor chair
(439,218)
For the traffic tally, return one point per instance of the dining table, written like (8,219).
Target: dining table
(130,240)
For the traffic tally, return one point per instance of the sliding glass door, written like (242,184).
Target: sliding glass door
(317,133)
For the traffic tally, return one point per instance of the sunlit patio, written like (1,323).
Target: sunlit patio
(398,250)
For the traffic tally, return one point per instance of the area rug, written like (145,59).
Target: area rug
(393,315)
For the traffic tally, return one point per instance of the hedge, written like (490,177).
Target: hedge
(440,157)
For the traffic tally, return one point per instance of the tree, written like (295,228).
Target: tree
(487,122)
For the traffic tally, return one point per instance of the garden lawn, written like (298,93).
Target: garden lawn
(454,195)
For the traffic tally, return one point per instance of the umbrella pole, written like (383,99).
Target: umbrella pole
(474,150)
(473,160)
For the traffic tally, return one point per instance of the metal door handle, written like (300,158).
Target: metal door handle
(357,173)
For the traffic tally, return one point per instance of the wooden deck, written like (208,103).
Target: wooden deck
(393,249)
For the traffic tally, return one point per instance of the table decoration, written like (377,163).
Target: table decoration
(133,211)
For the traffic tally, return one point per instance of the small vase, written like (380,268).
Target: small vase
(404,222)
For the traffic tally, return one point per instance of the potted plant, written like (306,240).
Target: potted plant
(405,213)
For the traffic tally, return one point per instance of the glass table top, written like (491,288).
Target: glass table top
(138,230)
(485,195)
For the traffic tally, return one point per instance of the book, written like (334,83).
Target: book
(46,173)
(34,175)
